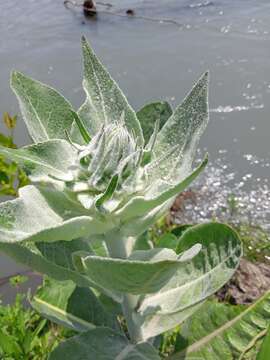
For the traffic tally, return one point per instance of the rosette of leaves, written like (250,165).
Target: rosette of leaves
(97,185)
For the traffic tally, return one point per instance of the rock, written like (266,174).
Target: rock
(250,282)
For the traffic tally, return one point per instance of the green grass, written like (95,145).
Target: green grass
(24,334)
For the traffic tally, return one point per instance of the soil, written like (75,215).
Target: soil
(250,281)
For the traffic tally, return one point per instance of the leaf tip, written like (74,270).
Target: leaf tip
(206,158)
(13,76)
(78,260)
(85,43)
(83,40)
(205,76)
(203,81)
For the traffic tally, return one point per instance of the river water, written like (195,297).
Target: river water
(154,60)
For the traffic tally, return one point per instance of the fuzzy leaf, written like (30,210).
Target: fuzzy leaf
(144,272)
(203,275)
(150,113)
(105,103)
(55,260)
(153,325)
(223,336)
(183,131)
(103,344)
(46,113)
(41,214)
(191,284)
(52,261)
(74,307)
(140,205)
(52,157)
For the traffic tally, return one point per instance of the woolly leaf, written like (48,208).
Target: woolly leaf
(103,344)
(74,307)
(46,113)
(146,271)
(183,131)
(43,214)
(105,103)
(52,157)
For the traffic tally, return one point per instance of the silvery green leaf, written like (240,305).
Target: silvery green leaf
(59,269)
(204,274)
(150,113)
(105,103)
(142,223)
(148,150)
(52,157)
(183,130)
(98,155)
(192,283)
(54,259)
(71,306)
(43,214)
(46,113)
(144,272)
(103,344)
(140,205)
(153,325)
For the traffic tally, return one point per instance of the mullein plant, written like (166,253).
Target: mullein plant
(99,181)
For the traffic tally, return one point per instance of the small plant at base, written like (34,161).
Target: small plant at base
(12,177)
(97,187)
(23,333)
(18,280)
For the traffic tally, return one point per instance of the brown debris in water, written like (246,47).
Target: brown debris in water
(130,12)
(89,8)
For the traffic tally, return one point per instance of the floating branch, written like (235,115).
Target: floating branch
(90,9)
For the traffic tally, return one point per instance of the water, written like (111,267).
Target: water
(154,60)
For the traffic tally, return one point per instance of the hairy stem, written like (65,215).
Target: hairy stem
(121,247)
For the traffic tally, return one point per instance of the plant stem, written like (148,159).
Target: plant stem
(128,305)
(121,247)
